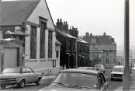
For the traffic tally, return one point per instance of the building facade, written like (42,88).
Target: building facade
(68,50)
(83,53)
(74,51)
(102,48)
(32,18)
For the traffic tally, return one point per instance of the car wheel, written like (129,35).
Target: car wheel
(3,86)
(38,81)
(22,83)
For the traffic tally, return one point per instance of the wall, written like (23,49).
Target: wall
(42,67)
(41,64)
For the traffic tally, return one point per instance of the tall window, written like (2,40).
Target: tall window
(50,44)
(33,42)
(57,54)
(42,38)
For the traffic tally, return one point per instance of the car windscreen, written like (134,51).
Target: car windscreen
(70,79)
(11,70)
(118,69)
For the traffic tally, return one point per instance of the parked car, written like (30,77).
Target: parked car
(117,72)
(19,76)
(78,80)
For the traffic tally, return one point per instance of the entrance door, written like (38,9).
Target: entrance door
(10,57)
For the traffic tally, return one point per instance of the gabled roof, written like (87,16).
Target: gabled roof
(49,12)
(16,12)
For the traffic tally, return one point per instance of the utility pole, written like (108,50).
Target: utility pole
(126,48)
(0,12)
(76,44)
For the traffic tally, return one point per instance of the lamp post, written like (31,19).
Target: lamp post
(126,48)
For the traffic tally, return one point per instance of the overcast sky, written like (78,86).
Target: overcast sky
(95,16)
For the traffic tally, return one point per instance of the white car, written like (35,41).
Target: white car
(78,80)
(117,72)
(19,76)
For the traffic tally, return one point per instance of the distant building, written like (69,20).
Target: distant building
(32,17)
(102,48)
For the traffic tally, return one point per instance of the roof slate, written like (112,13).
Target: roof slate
(16,12)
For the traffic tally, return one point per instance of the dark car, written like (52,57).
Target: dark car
(78,80)
(19,76)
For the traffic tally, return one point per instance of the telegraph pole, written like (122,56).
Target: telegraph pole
(0,12)
(76,44)
(126,48)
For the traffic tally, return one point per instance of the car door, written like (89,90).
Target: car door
(34,76)
(27,74)
(31,75)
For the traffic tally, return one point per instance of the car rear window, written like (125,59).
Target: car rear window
(118,69)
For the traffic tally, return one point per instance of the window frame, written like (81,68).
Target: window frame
(42,36)
(34,40)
